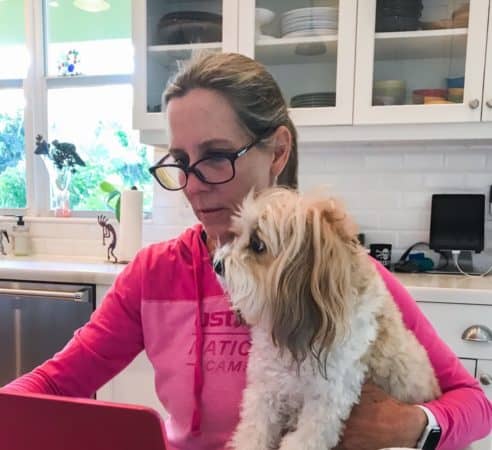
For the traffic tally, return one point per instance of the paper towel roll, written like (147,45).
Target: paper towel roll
(131,215)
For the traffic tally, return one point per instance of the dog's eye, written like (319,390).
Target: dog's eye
(256,244)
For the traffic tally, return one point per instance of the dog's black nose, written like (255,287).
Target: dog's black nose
(219,267)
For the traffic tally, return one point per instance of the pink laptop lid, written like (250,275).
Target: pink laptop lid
(39,422)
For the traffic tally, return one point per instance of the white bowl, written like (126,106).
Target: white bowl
(263,16)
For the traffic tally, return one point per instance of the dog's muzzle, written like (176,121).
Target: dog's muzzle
(219,267)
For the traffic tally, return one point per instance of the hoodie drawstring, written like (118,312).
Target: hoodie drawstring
(198,378)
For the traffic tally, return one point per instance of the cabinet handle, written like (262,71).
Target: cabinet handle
(474,104)
(477,333)
(485,379)
(489,103)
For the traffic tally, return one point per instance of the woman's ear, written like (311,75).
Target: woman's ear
(282,145)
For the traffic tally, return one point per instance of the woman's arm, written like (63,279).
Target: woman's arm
(99,350)
(463,411)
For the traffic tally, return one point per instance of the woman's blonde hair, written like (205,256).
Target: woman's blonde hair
(250,89)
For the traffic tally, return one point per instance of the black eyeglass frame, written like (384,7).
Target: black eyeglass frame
(232,157)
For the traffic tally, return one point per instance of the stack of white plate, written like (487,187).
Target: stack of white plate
(313,99)
(310,21)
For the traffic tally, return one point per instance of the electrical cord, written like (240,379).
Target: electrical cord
(455,254)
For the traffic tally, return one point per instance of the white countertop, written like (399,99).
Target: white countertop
(61,269)
(428,287)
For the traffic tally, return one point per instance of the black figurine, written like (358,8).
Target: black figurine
(3,234)
(108,231)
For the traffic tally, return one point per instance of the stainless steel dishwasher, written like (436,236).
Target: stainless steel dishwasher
(37,319)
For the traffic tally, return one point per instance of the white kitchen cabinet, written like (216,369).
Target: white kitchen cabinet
(157,60)
(451,320)
(341,64)
(301,61)
(487,89)
(421,59)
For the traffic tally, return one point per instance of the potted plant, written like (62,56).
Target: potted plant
(60,160)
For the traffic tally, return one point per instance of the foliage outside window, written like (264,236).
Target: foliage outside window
(92,111)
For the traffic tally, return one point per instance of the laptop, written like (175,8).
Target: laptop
(35,421)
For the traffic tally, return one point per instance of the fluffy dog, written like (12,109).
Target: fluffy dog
(322,323)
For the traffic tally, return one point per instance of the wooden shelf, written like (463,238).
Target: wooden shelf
(421,44)
(296,50)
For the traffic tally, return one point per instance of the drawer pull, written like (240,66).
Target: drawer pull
(477,333)
(485,379)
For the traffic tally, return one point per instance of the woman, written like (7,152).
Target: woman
(229,132)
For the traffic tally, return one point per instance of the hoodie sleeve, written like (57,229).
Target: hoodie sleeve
(463,411)
(111,339)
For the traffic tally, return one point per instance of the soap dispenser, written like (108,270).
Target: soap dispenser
(20,238)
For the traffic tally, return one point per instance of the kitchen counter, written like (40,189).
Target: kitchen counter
(446,288)
(60,269)
(431,287)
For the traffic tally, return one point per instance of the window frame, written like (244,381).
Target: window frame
(35,87)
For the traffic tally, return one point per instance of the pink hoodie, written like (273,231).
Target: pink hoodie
(155,304)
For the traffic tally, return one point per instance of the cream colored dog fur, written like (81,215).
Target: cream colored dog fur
(322,323)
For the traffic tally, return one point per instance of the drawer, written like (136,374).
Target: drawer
(451,319)
(470,365)
(484,375)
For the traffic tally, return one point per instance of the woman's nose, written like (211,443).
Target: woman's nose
(194,184)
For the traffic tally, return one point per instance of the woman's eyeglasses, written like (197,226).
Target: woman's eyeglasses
(172,171)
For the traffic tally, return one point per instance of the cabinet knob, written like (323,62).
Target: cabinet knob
(489,103)
(474,104)
(477,333)
(485,379)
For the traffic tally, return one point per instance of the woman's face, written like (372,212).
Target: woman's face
(203,122)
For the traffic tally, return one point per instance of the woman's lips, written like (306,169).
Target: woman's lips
(210,211)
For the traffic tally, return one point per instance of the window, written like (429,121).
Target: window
(81,93)
(12,155)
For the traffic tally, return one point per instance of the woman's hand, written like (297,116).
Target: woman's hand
(380,421)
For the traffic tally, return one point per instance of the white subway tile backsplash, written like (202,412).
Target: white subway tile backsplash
(373,200)
(366,221)
(408,219)
(401,181)
(384,161)
(344,162)
(420,200)
(379,237)
(423,161)
(465,161)
(478,181)
(386,188)
(312,163)
(350,182)
(407,238)
(445,182)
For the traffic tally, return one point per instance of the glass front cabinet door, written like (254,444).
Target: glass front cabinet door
(487,85)
(309,48)
(165,34)
(420,61)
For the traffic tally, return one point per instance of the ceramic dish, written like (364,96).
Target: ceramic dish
(399,3)
(419,94)
(311,32)
(396,23)
(456,82)
(190,32)
(383,100)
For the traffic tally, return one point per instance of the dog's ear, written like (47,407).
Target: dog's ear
(312,302)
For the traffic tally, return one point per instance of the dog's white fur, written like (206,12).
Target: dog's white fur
(322,323)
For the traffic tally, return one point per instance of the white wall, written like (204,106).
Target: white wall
(387,188)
